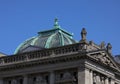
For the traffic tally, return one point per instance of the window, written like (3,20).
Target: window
(9,82)
(21,81)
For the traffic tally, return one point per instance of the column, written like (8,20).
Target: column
(25,79)
(98,79)
(106,81)
(112,81)
(1,81)
(84,76)
(91,77)
(52,77)
(81,76)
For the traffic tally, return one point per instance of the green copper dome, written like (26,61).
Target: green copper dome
(47,39)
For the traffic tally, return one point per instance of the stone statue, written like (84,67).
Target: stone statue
(67,75)
(40,80)
(102,45)
(84,47)
(83,34)
(98,78)
(14,81)
(109,48)
(91,42)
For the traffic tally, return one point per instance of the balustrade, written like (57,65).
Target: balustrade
(39,54)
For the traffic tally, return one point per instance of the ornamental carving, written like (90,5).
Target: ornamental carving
(102,45)
(104,58)
(38,80)
(66,77)
(14,81)
(98,78)
(83,34)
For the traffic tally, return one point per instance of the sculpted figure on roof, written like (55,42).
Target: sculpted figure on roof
(83,34)
(109,48)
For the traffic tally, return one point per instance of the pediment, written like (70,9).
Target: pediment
(104,58)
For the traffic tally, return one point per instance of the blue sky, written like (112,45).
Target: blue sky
(22,19)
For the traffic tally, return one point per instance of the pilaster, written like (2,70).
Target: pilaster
(98,79)
(52,77)
(1,81)
(91,77)
(112,81)
(84,76)
(25,79)
(106,81)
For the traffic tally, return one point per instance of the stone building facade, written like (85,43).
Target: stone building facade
(53,57)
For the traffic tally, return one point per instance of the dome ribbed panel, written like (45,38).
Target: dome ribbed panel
(66,41)
(55,41)
(24,45)
(41,41)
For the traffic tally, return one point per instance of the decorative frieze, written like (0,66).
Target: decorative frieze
(99,78)
(13,80)
(66,76)
(39,79)
(103,58)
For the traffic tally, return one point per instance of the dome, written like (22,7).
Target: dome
(47,39)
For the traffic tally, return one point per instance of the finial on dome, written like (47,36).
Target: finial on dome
(56,21)
(56,25)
